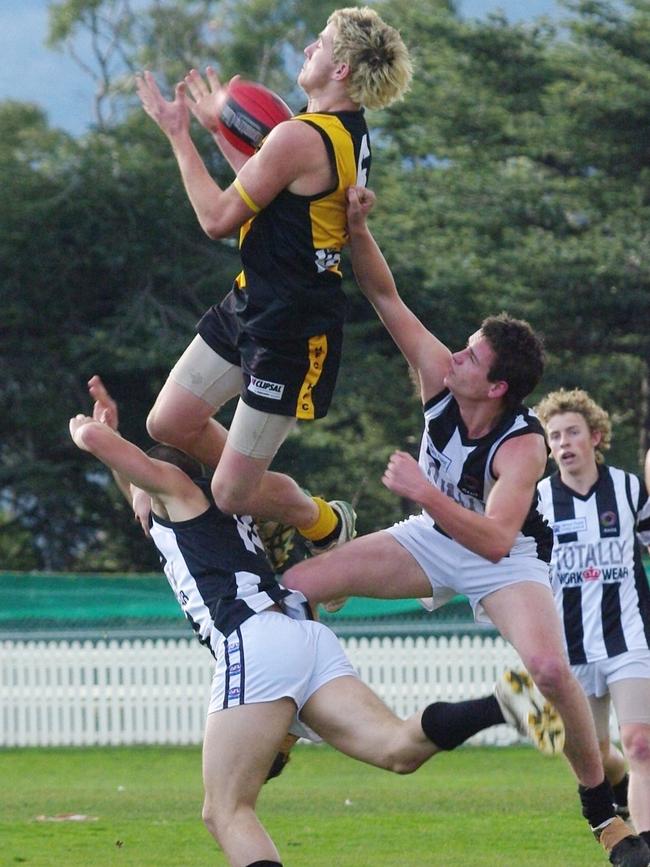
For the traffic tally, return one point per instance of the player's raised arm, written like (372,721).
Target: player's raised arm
(428,357)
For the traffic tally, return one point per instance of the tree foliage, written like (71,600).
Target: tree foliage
(514,176)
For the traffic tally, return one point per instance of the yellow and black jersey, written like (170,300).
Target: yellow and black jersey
(291,250)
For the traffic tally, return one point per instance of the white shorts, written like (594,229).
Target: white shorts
(452,569)
(595,677)
(272,656)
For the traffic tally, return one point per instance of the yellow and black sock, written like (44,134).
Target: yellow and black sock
(325,528)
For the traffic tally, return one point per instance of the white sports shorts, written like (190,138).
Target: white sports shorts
(272,656)
(624,681)
(452,569)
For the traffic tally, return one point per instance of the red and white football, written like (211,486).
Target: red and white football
(249,113)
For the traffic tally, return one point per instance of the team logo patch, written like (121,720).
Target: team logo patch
(608,523)
(265,388)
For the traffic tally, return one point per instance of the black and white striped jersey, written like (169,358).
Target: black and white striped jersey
(217,567)
(462,468)
(600,586)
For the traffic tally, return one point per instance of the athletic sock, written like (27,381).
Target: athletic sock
(620,791)
(449,724)
(326,525)
(597,804)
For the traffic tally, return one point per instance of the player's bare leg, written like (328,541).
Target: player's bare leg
(351,717)
(236,761)
(184,420)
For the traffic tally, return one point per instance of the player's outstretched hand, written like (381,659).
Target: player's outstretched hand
(205,98)
(172,116)
(76,423)
(404,477)
(105,408)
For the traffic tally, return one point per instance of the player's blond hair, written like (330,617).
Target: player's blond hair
(380,66)
(578,400)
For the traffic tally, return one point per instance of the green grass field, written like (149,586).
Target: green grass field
(494,807)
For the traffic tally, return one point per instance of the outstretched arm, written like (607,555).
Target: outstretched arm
(105,411)
(259,180)
(428,357)
(134,471)
(220,212)
(124,458)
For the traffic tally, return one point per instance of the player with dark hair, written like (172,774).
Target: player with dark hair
(600,517)
(480,532)
(275,340)
(271,663)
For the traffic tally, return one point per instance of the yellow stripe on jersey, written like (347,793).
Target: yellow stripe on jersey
(317,356)
(237,184)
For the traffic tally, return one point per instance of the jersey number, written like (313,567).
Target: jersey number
(364,163)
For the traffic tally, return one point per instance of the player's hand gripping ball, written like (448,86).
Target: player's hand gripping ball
(249,114)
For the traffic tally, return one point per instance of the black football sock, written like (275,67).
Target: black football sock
(449,724)
(620,791)
(597,803)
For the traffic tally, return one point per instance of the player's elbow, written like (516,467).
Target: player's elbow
(218,226)
(212,229)
(499,549)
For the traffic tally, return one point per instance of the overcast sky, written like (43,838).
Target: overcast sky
(29,72)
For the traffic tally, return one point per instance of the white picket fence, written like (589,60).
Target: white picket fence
(76,693)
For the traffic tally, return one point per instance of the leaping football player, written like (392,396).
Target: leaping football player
(275,339)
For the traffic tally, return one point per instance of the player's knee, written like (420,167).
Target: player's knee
(228,498)
(160,428)
(550,672)
(212,819)
(635,739)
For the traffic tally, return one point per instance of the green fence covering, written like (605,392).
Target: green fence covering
(42,604)
(38,605)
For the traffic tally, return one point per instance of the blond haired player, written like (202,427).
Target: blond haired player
(275,339)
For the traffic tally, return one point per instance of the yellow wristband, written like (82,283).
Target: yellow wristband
(247,199)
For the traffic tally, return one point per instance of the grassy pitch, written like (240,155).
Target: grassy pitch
(141,807)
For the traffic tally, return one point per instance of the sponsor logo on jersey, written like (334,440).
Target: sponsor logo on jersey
(327,259)
(265,388)
(571,525)
(576,563)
